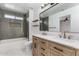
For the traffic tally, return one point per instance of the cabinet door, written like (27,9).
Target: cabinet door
(35,46)
(43,47)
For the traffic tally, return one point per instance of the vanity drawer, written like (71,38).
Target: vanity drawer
(43,54)
(54,53)
(43,43)
(62,49)
(43,51)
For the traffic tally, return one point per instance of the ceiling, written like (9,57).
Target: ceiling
(20,7)
(58,8)
(24,7)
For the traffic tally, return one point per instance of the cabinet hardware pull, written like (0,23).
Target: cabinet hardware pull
(58,49)
(42,48)
(34,45)
(35,39)
(43,42)
(42,54)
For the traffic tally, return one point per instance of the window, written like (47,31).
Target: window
(9,16)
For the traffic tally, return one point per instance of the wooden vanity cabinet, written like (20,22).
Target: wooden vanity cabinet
(42,47)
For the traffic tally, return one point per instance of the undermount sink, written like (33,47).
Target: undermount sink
(44,33)
(70,40)
(58,38)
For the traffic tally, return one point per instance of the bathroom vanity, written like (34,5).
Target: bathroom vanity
(44,45)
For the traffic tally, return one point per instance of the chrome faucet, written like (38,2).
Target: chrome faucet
(64,34)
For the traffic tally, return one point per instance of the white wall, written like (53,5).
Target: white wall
(33,15)
(36,14)
(74,12)
(30,23)
(35,30)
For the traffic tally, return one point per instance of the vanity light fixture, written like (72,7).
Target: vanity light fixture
(51,3)
(44,5)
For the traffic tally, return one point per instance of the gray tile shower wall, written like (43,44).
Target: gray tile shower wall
(9,29)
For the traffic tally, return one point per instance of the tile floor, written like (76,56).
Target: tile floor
(15,47)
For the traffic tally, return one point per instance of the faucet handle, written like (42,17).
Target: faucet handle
(69,36)
(60,36)
(64,34)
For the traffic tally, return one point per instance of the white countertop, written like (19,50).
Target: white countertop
(71,43)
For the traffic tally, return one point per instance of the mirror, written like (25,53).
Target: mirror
(63,18)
